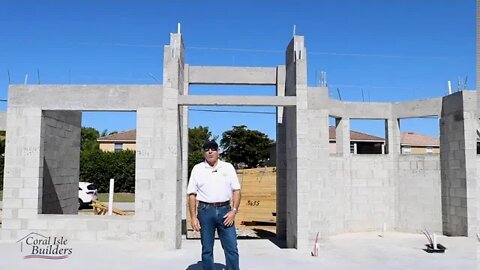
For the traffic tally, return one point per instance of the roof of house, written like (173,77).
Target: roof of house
(354,135)
(415,139)
(407,138)
(126,136)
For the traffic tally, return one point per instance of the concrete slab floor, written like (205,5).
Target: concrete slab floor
(346,251)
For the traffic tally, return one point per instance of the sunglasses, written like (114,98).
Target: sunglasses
(209,148)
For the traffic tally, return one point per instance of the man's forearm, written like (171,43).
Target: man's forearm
(192,205)
(236,197)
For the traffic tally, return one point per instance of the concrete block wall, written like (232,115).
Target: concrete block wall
(316,190)
(61,162)
(155,218)
(364,192)
(155,193)
(419,193)
(23,170)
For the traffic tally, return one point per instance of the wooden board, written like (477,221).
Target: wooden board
(258,195)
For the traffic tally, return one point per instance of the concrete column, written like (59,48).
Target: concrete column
(173,85)
(458,164)
(184,147)
(342,136)
(307,153)
(281,144)
(295,85)
(392,134)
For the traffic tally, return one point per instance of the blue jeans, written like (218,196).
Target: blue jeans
(211,218)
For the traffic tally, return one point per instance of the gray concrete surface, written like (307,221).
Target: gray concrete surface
(232,75)
(85,97)
(346,251)
(237,101)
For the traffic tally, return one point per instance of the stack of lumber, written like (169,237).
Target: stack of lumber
(100,208)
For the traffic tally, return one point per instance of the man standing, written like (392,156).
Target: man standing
(213,183)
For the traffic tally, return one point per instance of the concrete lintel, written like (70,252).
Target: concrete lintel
(417,108)
(238,100)
(85,97)
(359,110)
(232,75)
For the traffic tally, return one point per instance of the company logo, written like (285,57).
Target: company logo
(37,246)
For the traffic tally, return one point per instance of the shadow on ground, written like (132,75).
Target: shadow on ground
(198,266)
(265,234)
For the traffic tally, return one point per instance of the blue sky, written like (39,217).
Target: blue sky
(392,50)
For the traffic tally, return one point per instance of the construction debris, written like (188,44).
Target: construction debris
(100,208)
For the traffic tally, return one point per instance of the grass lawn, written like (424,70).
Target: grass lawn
(117,197)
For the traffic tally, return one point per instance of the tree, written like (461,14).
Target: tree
(106,133)
(242,145)
(99,166)
(89,136)
(196,137)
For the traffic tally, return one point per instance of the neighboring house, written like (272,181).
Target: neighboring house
(360,143)
(414,143)
(119,141)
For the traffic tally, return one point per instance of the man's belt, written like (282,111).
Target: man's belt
(216,204)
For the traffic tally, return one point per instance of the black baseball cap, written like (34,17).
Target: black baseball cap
(210,145)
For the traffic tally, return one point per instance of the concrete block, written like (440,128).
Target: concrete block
(86,235)
(28,193)
(78,224)
(30,203)
(27,213)
(37,224)
(138,226)
(13,224)
(10,181)
(10,193)
(6,234)
(359,182)
(145,174)
(118,225)
(12,203)
(56,224)
(97,225)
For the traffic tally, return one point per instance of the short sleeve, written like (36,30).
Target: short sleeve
(234,183)
(192,183)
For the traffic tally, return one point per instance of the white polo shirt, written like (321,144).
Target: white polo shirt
(213,184)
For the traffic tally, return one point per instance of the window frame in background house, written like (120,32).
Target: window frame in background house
(116,148)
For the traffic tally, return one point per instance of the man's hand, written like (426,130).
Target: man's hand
(195,224)
(229,218)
